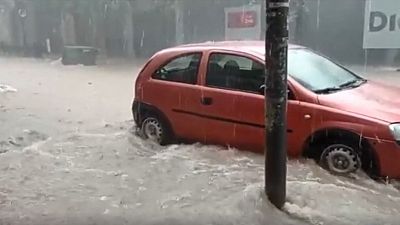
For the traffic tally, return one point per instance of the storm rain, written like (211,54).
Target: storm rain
(69,149)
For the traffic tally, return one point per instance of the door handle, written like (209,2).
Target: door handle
(206,100)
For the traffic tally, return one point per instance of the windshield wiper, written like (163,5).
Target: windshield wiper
(349,84)
(328,90)
(353,83)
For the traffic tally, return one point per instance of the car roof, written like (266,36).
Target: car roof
(251,47)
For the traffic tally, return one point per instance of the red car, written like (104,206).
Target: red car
(213,93)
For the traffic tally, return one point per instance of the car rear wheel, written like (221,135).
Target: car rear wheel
(155,130)
(340,159)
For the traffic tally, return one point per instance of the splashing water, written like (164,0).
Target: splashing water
(6,88)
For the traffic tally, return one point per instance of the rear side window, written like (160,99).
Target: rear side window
(182,69)
(235,72)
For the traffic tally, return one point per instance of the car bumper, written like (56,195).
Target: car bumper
(135,111)
(388,155)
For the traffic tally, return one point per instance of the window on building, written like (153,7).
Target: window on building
(183,69)
(235,72)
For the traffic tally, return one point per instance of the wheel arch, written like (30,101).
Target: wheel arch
(311,147)
(140,110)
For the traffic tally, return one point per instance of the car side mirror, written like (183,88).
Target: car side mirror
(261,90)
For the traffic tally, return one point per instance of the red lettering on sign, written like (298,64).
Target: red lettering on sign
(242,19)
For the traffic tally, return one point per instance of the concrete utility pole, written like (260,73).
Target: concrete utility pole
(276,47)
(22,13)
(179,26)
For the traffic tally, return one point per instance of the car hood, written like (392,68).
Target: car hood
(372,99)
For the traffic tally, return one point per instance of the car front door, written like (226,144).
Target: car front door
(233,87)
(250,107)
(225,87)
(218,111)
(251,133)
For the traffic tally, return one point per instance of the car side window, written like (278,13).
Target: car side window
(235,72)
(182,69)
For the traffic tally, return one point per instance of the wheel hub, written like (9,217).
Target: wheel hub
(341,162)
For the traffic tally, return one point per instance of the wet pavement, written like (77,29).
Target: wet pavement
(68,156)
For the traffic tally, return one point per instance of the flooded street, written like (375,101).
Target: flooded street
(68,155)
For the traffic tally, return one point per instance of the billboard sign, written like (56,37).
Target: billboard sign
(243,23)
(245,19)
(382,24)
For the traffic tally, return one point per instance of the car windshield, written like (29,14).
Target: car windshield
(318,73)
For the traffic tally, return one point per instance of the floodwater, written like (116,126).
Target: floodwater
(68,156)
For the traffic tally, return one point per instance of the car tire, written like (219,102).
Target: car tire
(341,159)
(155,129)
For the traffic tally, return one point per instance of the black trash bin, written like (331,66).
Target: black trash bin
(74,55)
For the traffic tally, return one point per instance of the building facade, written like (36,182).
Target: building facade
(125,28)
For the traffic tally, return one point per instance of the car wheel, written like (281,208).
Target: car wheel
(340,159)
(154,129)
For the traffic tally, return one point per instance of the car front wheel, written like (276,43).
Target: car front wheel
(340,159)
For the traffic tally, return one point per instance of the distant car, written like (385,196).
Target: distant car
(212,93)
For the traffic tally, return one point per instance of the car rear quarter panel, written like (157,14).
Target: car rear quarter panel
(170,98)
(148,70)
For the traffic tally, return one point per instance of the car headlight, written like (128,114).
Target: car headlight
(395,128)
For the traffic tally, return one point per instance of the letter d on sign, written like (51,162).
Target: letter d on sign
(373,27)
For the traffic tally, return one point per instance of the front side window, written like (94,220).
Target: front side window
(235,72)
(182,69)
